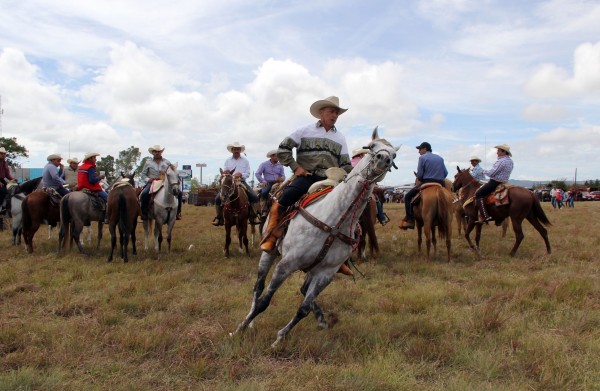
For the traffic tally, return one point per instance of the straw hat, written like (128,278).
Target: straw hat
(271,153)
(236,145)
(90,155)
(359,151)
(474,158)
(2,150)
(54,156)
(156,148)
(73,160)
(504,147)
(332,101)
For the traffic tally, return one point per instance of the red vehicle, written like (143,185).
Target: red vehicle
(590,195)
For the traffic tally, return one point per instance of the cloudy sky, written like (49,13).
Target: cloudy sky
(194,76)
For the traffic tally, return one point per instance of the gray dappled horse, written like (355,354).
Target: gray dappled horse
(303,246)
(163,210)
(17,194)
(77,210)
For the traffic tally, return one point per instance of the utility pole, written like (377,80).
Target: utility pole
(200,165)
(1,114)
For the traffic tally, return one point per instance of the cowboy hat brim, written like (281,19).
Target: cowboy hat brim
(332,101)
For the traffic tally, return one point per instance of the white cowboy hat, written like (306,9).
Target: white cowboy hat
(504,147)
(73,160)
(54,156)
(89,155)
(2,150)
(474,158)
(236,145)
(332,101)
(359,151)
(156,148)
(271,153)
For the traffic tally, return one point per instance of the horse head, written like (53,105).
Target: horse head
(172,179)
(462,178)
(228,185)
(379,160)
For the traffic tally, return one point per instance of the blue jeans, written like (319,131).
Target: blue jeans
(297,189)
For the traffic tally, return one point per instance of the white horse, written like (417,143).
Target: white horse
(163,210)
(320,238)
(17,193)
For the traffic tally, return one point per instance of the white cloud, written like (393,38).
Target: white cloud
(546,112)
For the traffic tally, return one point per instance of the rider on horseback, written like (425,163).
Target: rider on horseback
(5,176)
(269,173)
(430,168)
(53,175)
(319,146)
(499,173)
(88,179)
(151,172)
(240,166)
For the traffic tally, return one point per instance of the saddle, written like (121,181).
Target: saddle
(97,202)
(417,198)
(498,197)
(54,195)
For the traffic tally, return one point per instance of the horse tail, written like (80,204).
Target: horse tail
(444,213)
(26,217)
(123,214)
(65,222)
(538,212)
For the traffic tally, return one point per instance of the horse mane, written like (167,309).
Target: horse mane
(28,186)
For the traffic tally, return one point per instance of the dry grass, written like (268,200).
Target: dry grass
(501,323)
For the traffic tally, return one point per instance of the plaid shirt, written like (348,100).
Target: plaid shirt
(501,170)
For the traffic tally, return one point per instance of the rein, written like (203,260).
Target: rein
(465,195)
(233,190)
(334,232)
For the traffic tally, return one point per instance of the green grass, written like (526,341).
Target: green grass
(531,322)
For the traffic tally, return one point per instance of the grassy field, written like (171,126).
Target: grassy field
(526,323)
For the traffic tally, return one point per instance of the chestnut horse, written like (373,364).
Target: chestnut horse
(123,210)
(523,204)
(40,206)
(367,222)
(235,211)
(434,209)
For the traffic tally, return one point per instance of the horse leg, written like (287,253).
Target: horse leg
(434,240)
(281,273)
(99,234)
(540,228)
(133,239)
(264,265)
(470,226)
(29,234)
(505,227)
(518,229)
(314,307)
(419,236)
(316,286)
(244,236)
(169,235)
(113,240)
(76,235)
(158,238)
(427,229)
(227,238)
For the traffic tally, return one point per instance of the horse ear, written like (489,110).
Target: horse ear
(232,171)
(375,134)
(221,171)
(415,173)
(458,168)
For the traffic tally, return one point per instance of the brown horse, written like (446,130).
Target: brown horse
(40,206)
(434,209)
(523,204)
(235,211)
(461,217)
(367,221)
(123,210)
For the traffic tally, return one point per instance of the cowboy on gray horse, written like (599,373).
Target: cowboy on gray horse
(151,171)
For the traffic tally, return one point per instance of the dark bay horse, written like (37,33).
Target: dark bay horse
(123,210)
(434,209)
(367,221)
(40,206)
(523,204)
(235,211)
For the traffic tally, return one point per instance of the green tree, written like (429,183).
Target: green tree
(560,183)
(127,160)
(195,184)
(107,164)
(14,151)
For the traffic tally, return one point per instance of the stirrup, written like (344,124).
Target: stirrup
(385,220)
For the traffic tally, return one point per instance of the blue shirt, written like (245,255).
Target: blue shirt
(52,176)
(431,167)
(477,173)
(501,170)
(269,172)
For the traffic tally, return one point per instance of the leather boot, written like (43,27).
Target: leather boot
(483,215)
(252,215)
(218,220)
(345,269)
(268,243)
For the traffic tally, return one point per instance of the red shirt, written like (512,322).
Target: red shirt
(5,171)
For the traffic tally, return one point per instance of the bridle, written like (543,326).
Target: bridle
(465,195)
(230,194)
